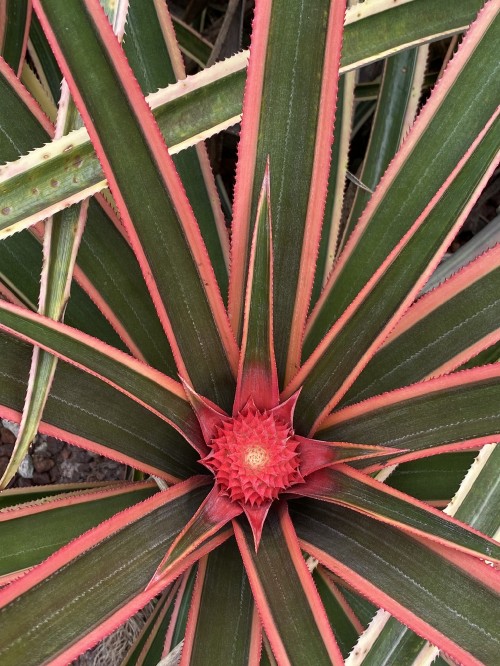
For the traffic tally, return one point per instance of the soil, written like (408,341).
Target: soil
(52,461)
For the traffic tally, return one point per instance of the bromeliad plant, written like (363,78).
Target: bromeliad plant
(269,396)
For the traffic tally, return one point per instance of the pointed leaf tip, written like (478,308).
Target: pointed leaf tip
(257,373)
(256,517)
(209,415)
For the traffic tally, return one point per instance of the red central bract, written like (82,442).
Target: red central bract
(254,457)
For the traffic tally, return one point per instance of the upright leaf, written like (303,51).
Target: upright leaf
(170,251)
(446,128)
(279,579)
(294,126)
(223,627)
(15,18)
(151,49)
(257,376)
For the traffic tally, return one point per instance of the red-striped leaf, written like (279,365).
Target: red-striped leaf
(348,487)
(257,375)
(292,127)
(426,591)
(279,579)
(171,249)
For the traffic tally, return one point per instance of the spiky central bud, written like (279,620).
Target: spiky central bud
(254,457)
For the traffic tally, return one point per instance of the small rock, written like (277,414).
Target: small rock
(42,464)
(26,468)
(13,427)
(40,447)
(7,436)
(6,449)
(54,445)
(65,453)
(24,483)
(79,455)
(41,478)
(4,461)
(55,474)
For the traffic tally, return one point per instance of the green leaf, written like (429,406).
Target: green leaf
(395,646)
(107,260)
(214,102)
(432,479)
(279,579)
(172,257)
(147,649)
(389,125)
(427,592)
(105,256)
(183,604)
(192,44)
(83,410)
(148,39)
(485,239)
(344,352)
(17,14)
(347,626)
(445,130)
(28,538)
(91,586)
(257,376)
(21,261)
(286,129)
(458,408)
(219,629)
(18,122)
(72,170)
(336,183)
(437,332)
(48,65)
(62,237)
(156,391)
(348,488)
(381,29)
(479,496)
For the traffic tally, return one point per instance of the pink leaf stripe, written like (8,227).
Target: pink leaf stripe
(189,430)
(307,585)
(464,278)
(382,599)
(26,98)
(328,340)
(328,485)
(318,186)
(257,377)
(440,91)
(408,393)
(90,445)
(215,511)
(93,537)
(165,167)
